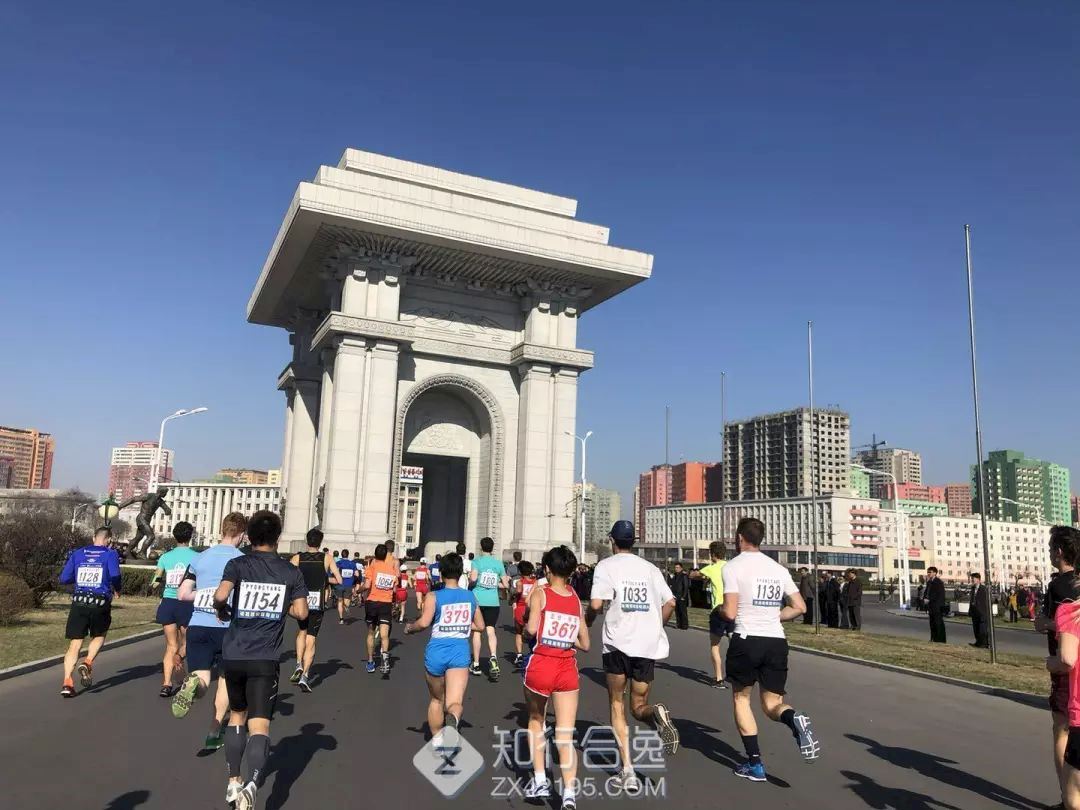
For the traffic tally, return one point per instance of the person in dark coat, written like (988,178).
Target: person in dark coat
(853,592)
(979,611)
(935,605)
(680,587)
(832,600)
(808,593)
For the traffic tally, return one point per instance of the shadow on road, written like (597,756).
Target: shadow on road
(691,674)
(939,768)
(699,737)
(291,755)
(331,668)
(885,798)
(129,800)
(126,675)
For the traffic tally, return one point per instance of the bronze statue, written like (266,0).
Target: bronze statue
(144,536)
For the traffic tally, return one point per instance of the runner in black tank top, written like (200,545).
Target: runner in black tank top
(318,569)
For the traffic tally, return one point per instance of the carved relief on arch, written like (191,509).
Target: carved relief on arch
(498,441)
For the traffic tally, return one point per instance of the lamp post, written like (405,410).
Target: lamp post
(156,469)
(108,510)
(901,537)
(581,530)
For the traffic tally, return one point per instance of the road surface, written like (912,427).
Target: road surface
(890,741)
(876,619)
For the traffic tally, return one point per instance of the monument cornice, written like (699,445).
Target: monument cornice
(296,373)
(537,353)
(338,323)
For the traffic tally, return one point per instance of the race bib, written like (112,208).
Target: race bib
(384,582)
(204,600)
(421,576)
(634,596)
(768,592)
(488,579)
(526,589)
(88,576)
(174,576)
(346,573)
(261,600)
(453,621)
(314,600)
(559,629)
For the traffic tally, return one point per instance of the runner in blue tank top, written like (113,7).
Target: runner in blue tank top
(452,614)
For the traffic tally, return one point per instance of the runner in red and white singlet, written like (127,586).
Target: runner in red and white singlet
(401,594)
(421,582)
(523,586)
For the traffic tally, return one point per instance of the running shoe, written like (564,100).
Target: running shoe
(67,690)
(384,667)
(370,666)
(450,721)
(341,621)
(167,691)
(493,665)
(626,781)
(304,683)
(809,745)
(669,735)
(297,674)
(569,803)
(185,696)
(719,685)
(85,671)
(474,668)
(518,660)
(215,741)
(755,772)
(245,799)
(537,790)
(232,790)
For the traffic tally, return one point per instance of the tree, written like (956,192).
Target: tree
(34,546)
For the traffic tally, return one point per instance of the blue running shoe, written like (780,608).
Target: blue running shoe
(370,666)
(755,773)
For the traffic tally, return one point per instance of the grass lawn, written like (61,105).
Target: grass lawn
(1024,673)
(40,633)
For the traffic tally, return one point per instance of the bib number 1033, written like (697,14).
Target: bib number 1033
(261,600)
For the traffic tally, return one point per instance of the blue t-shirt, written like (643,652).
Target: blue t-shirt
(434,569)
(175,564)
(489,574)
(452,624)
(205,571)
(93,570)
(348,572)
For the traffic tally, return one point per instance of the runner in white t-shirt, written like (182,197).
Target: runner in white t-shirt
(756,588)
(640,603)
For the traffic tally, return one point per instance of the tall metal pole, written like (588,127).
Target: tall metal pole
(582,530)
(723,452)
(813,474)
(978,443)
(667,473)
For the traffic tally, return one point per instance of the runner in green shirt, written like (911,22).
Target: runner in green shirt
(172,614)
(487,577)
(718,625)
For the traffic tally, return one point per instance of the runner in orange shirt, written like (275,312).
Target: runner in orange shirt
(380,581)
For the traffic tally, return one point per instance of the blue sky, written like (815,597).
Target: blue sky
(782,160)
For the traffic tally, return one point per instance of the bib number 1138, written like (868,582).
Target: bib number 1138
(768,592)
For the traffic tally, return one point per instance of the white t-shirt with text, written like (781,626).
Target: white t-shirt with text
(637,590)
(761,583)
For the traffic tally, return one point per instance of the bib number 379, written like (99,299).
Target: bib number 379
(261,600)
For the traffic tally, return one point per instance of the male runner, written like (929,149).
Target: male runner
(319,570)
(359,578)
(466,560)
(331,593)
(94,570)
(173,614)
(718,625)
(487,578)
(379,589)
(348,584)
(634,640)
(1064,587)
(421,583)
(206,632)
(755,589)
(257,591)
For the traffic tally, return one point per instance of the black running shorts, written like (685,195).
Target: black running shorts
(312,624)
(490,614)
(92,620)
(252,687)
(1072,749)
(617,662)
(377,612)
(760,660)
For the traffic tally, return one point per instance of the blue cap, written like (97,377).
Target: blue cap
(622,530)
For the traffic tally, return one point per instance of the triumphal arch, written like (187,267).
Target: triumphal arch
(432,389)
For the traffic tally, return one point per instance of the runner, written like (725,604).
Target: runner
(331,590)
(421,583)
(206,631)
(555,624)
(257,591)
(487,578)
(401,594)
(436,573)
(1064,587)
(94,570)
(359,579)
(314,565)
(755,589)
(379,590)
(634,640)
(450,612)
(522,588)
(718,625)
(1067,627)
(347,584)
(173,614)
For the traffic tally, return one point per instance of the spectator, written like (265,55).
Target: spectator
(1014,612)
(843,583)
(979,611)
(806,591)
(831,601)
(854,600)
(936,604)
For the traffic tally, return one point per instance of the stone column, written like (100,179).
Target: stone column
(288,438)
(343,451)
(534,485)
(564,448)
(373,500)
(301,459)
(325,429)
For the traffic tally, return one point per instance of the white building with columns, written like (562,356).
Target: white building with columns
(433,322)
(205,504)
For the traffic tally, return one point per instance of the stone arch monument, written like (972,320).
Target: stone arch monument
(433,323)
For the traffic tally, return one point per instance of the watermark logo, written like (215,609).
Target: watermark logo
(449,762)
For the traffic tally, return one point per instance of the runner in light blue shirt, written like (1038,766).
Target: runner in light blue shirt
(487,578)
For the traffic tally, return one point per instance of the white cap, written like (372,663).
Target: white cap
(404,567)
(423,559)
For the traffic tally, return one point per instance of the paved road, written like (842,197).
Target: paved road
(876,619)
(890,741)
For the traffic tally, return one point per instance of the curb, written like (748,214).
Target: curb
(45,663)
(1028,699)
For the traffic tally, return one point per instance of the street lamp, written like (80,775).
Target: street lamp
(901,537)
(581,531)
(156,470)
(108,510)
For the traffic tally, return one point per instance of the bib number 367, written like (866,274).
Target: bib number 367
(559,629)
